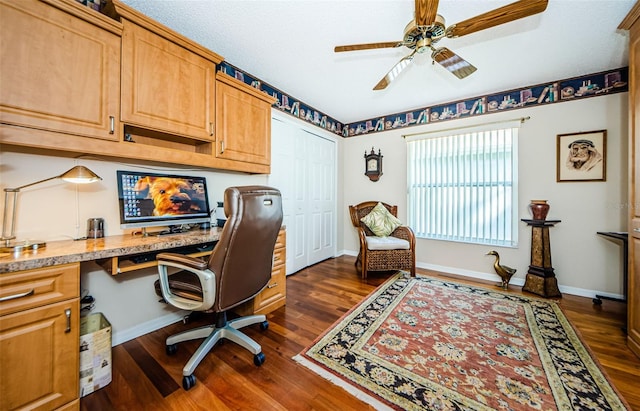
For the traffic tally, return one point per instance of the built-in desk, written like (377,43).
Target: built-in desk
(40,310)
(70,251)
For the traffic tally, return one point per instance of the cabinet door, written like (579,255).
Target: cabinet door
(166,87)
(243,123)
(632,23)
(59,72)
(39,357)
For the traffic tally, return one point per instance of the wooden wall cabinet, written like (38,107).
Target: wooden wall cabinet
(125,87)
(632,24)
(166,86)
(243,122)
(274,294)
(60,68)
(40,338)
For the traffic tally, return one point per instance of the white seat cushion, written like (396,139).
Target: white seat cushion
(386,243)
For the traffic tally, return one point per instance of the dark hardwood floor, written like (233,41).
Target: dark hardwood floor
(146,378)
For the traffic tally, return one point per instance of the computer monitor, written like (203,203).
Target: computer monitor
(161,200)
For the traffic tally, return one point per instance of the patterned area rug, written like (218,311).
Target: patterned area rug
(423,343)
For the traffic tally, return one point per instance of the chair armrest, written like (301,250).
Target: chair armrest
(182,259)
(406,233)
(196,266)
(362,237)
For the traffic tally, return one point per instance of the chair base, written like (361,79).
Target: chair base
(212,334)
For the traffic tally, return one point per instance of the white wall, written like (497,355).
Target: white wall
(51,212)
(584,262)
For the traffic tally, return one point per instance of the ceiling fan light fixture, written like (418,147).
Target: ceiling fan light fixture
(423,45)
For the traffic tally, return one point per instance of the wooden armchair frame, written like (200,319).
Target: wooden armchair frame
(382,260)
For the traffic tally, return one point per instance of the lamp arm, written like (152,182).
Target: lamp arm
(15,190)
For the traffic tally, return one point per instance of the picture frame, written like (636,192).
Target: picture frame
(581,156)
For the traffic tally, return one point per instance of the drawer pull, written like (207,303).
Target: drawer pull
(222,147)
(636,230)
(112,125)
(211,129)
(272,285)
(67,312)
(15,296)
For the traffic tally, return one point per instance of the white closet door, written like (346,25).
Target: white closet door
(321,193)
(300,240)
(282,152)
(303,169)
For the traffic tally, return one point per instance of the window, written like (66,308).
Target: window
(462,184)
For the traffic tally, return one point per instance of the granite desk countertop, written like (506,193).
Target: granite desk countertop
(71,251)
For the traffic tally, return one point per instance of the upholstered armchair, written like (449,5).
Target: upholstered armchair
(385,243)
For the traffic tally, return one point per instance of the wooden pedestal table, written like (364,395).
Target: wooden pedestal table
(541,279)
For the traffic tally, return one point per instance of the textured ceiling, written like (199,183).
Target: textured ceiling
(289,44)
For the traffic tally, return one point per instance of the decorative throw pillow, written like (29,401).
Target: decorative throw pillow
(381,221)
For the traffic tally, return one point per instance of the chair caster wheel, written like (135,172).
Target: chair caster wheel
(264,325)
(171,349)
(259,359)
(188,381)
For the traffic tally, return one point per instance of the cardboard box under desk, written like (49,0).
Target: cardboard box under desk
(95,353)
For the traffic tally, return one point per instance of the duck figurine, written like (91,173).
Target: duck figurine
(502,270)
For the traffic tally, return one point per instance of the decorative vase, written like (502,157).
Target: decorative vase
(539,209)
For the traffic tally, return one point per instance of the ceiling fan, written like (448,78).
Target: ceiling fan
(428,27)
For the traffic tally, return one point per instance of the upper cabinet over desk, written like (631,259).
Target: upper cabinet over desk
(60,68)
(123,86)
(168,83)
(243,122)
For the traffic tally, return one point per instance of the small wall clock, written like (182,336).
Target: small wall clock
(373,165)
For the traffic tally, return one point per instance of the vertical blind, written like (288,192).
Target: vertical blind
(462,184)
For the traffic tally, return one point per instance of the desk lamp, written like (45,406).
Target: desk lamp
(76,175)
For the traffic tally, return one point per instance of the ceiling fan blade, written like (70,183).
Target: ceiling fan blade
(395,71)
(426,11)
(501,15)
(458,66)
(353,47)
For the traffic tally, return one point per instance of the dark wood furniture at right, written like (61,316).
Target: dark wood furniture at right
(541,279)
(632,23)
(625,265)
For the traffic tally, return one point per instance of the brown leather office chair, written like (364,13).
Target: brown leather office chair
(238,269)
(394,252)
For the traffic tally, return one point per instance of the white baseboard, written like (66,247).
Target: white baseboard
(582,292)
(119,337)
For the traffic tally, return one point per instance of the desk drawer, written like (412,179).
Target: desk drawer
(274,292)
(281,241)
(22,290)
(279,257)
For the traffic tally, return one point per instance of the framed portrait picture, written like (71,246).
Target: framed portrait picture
(582,156)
